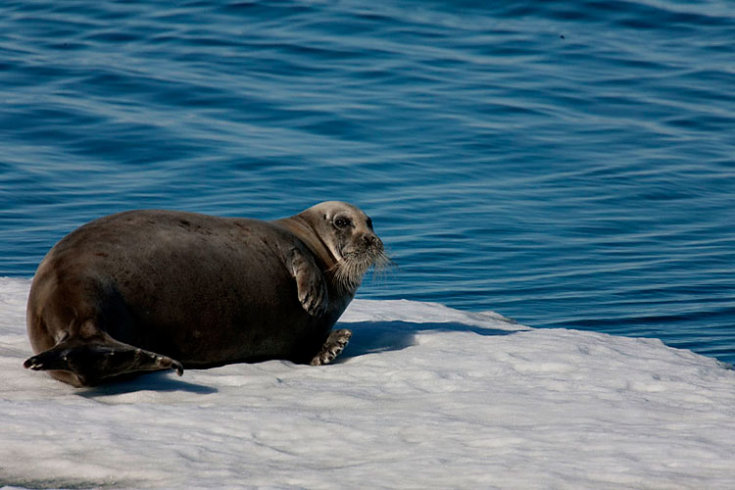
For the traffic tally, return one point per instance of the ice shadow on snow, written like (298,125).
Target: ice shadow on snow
(159,381)
(373,337)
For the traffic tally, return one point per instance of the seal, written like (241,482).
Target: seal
(152,290)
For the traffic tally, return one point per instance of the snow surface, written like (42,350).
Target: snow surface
(424,397)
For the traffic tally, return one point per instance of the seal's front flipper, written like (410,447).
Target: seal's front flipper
(312,289)
(88,363)
(333,347)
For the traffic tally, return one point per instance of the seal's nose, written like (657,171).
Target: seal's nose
(371,240)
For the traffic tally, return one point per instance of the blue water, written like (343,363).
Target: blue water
(567,164)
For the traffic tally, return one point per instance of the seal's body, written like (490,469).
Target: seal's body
(149,290)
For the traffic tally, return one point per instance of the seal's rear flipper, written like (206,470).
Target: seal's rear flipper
(89,363)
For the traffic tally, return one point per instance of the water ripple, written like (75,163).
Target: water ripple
(566,165)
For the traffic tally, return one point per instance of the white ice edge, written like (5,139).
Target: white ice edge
(424,397)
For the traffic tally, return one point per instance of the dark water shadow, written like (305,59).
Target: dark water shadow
(161,381)
(372,337)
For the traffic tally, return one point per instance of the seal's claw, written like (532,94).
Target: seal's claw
(178,367)
(165,362)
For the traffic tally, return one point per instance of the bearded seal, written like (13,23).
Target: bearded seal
(151,290)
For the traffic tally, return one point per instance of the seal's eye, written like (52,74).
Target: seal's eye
(342,222)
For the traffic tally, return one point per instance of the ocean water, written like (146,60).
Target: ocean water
(566,164)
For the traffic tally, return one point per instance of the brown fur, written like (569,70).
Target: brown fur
(148,290)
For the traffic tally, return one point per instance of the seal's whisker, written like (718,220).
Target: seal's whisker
(383,266)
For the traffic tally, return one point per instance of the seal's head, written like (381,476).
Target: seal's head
(342,236)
